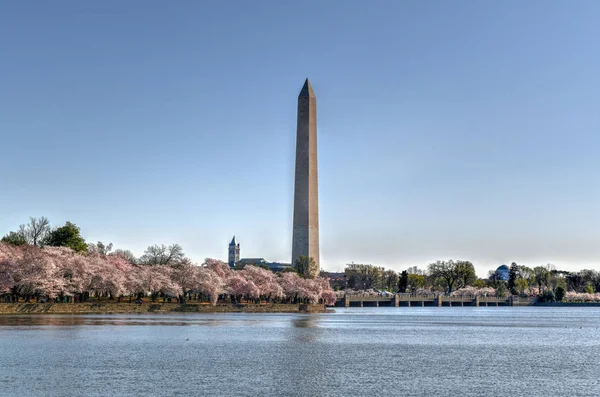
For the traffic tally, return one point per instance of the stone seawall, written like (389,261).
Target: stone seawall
(568,304)
(90,307)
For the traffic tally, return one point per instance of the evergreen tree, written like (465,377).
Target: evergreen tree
(67,236)
(403,282)
(306,267)
(559,293)
(513,275)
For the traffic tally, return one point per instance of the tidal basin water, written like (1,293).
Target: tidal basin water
(529,351)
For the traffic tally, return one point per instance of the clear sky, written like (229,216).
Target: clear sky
(447,129)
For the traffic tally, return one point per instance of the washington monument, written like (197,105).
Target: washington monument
(305,240)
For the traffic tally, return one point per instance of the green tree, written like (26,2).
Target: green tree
(415,270)
(526,273)
(452,274)
(521,285)
(513,275)
(547,296)
(364,277)
(559,294)
(493,279)
(15,238)
(479,283)
(591,277)
(589,289)
(69,236)
(558,281)
(306,267)
(403,282)
(389,280)
(501,290)
(34,233)
(466,273)
(415,281)
(541,275)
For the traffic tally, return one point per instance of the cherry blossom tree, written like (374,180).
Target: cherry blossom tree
(158,279)
(264,280)
(221,268)
(59,272)
(329,297)
(8,267)
(239,288)
(185,277)
(211,284)
(309,290)
(39,274)
(289,282)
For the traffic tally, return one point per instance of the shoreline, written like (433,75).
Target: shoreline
(7,309)
(150,307)
(567,304)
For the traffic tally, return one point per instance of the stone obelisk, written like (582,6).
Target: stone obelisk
(305,240)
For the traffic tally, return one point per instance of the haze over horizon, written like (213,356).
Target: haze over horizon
(445,130)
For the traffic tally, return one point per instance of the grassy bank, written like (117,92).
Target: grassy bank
(90,307)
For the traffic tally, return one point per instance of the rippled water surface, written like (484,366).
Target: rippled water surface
(360,351)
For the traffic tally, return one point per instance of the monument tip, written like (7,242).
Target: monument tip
(306,90)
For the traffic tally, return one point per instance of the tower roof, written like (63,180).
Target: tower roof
(233,241)
(307,90)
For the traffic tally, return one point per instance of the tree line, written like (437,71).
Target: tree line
(550,283)
(443,276)
(39,233)
(448,277)
(43,263)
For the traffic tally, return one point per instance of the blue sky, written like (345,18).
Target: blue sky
(463,129)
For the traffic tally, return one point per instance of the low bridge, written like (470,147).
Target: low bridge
(396,300)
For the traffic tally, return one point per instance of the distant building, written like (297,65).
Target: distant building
(279,267)
(502,273)
(273,266)
(251,261)
(336,280)
(234,252)
(235,261)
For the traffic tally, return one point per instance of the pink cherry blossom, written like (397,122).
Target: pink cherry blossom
(211,284)
(52,272)
(264,280)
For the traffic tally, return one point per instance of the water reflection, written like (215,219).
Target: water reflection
(41,320)
(82,320)
(306,322)
(173,320)
(305,329)
(305,356)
